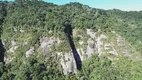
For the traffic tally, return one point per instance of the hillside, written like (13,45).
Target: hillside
(44,41)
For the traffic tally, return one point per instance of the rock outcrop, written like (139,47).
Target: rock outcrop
(103,44)
(46,43)
(68,63)
(30,51)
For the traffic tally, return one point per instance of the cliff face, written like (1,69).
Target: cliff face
(42,40)
(109,44)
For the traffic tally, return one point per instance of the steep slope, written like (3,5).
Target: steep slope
(38,46)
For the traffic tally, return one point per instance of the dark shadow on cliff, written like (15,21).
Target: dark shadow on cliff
(68,32)
(2,50)
(3,14)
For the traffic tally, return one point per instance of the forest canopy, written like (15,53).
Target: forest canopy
(36,18)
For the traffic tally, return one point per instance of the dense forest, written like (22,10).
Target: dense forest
(27,21)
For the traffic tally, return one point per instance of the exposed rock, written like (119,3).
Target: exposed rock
(13,47)
(100,43)
(113,51)
(68,63)
(107,46)
(67,59)
(82,53)
(47,42)
(15,29)
(22,31)
(30,51)
(7,60)
(96,43)
(13,43)
(91,33)
(90,47)
(50,32)
(81,42)
(24,43)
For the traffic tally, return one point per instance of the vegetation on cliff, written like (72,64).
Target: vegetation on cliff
(26,21)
